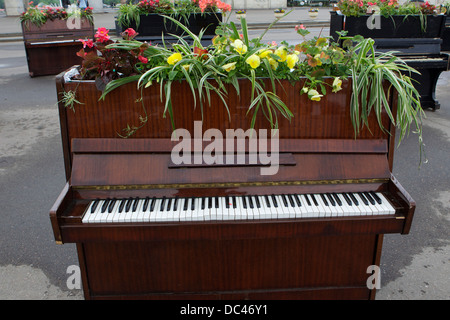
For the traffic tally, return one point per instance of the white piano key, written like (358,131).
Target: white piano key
(390,209)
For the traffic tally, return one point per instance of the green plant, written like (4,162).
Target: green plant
(233,56)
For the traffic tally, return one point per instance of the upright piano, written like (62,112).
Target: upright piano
(149,228)
(52,48)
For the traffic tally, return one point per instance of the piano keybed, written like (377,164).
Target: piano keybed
(248,207)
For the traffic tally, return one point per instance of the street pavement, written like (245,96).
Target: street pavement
(32,266)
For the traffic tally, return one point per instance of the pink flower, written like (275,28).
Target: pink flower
(87,43)
(302,27)
(130,33)
(142,59)
(102,35)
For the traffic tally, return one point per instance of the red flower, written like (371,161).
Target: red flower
(128,34)
(142,59)
(102,35)
(89,43)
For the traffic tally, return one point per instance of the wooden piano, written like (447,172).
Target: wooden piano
(225,232)
(52,48)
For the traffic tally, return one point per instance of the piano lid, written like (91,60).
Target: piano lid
(147,163)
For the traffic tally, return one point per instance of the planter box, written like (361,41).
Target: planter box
(391,27)
(152,26)
(52,47)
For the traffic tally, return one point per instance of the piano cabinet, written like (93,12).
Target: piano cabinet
(52,48)
(295,257)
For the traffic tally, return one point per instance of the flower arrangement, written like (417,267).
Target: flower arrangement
(40,15)
(386,7)
(313,10)
(241,11)
(279,10)
(233,55)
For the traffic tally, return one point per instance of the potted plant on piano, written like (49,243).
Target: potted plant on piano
(387,19)
(146,17)
(51,37)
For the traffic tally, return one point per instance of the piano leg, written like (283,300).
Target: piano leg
(426,85)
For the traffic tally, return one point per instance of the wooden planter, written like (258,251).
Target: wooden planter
(52,47)
(152,26)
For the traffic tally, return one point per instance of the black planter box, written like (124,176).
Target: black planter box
(153,26)
(400,26)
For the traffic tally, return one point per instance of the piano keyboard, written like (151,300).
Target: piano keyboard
(247,207)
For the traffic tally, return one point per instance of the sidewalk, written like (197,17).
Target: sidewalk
(10,29)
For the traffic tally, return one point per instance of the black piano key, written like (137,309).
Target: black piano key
(347,198)
(274,201)
(227,202)
(185,205)
(283,197)
(258,204)
(105,205)
(369,197)
(363,198)
(376,197)
(313,197)
(244,203)
(152,205)
(307,200)
(323,199)
(94,205)
(217,202)
(111,205)
(122,205)
(169,204)
(267,201)
(203,203)
(250,202)
(331,200)
(291,200)
(128,204)
(193,204)
(135,204)
(234,202)
(145,204)
(209,203)
(297,200)
(163,201)
(175,204)
(338,200)
(352,196)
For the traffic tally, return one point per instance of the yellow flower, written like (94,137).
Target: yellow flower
(229,66)
(174,58)
(273,63)
(317,58)
(314,95)
(282,53)
(254,61)
(186,66)
(337,83)
(291,60)
(239,46)
(263,53)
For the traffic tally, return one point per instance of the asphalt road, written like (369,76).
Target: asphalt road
(32,266)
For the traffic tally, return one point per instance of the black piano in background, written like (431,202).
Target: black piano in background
(421,53)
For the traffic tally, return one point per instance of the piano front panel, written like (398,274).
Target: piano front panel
(232,268)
